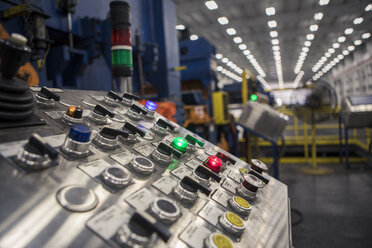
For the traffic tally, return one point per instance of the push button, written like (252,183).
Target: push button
(77,142)
(150,106)
(214,163)
(240,205)
(180,144)
(142,165)
(165,210)
(73,115)
(116,177)
(218,240)
(232,223)
(249,187)
(258,165)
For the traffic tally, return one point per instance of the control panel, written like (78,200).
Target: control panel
(106,171)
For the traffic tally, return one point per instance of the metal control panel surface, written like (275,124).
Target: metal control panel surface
(32,213)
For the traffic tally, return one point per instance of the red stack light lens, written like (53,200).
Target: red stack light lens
(121,37)
(214,163)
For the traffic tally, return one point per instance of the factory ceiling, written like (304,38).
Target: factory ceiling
(283,41)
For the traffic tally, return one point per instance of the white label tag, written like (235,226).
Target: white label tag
(193,163)
(181,172)
(211,213)
(145,150)
(194,235)
(221,197)
(141,199)
(234,176)
(230,185)
(123,158)
(94,168)
(202,157)
(165,184)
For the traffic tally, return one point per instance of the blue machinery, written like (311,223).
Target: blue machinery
(87,65)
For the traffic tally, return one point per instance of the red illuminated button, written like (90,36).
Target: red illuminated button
(214,163)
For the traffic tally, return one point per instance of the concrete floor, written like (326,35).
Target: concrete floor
(336,208)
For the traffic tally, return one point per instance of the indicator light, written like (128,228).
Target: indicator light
(180,144)
(80,133)
(150,105)
(70,111)
(214,163)
(254,97)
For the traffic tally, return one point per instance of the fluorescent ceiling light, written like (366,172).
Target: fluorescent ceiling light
(246,52)
(307,43)
(327,55)
(349,31)
(305,49)
(211,5)
(331,50)
(357,42)
(318,16)
(310,36)
(358,20)
(341,39)
(223,20)
(336,45)
(272,24)
(276,48)
(340,56)
(275,42)
(219,56)
(273,34)
(180,27)
(219,68)
(270,11)
(225,60)
(345,52)
(351,48)
(323,2)
(313,28)
(237,40)
(242,46)
(194,37)
(231,31)
(366,35)
(230,63)
(368,7)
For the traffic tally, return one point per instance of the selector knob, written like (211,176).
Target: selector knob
(186,190)
(135,112)
(36,154)
(46,98)
(232,223)
(160,127)
(73,115)
(150,106)
(107,138)
(141,231)
(258,166)
(133,133)
(226,160)
(99,115)
(162,154)
(142,165)
(203,175)
(128,99)
(214,163)
(240,205)
(112,99)
(116,177)
(249,187)
(193,143)
(218,240)
(77,142)
(165,210)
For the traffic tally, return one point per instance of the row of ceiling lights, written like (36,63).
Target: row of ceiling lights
(270,11)
(336,45)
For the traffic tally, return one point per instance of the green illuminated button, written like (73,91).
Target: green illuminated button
(193,141)
(180,144)
(254,97)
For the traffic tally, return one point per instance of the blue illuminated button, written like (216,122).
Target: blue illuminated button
(80,133)
(150,105)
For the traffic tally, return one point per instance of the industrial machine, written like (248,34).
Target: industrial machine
(357,111)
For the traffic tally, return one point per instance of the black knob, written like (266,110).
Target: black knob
(193,186)
(162,123)
(48,94)
(164,149)
(138,109)
(36,143)
(133,129)
(99,109)
(78,113)
(206,173)
(225,158)
(114,96)
(111,133)
(259,176)
(130,97)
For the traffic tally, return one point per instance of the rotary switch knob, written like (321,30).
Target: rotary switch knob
(99,115)
(133,133)
(73,115)
(46,98)
(165,210)
(218,240)
(258,166)
(107,138)
(213,163)
(232,223)
(77,142)
(136,112)
(128,99)
(226,160)
(193,143)
(162,154)
(186,190)
(116,177)
(160,127)
(203,175)
(240,205)
(142,165)
(36,154)
(112,99)
(249,187)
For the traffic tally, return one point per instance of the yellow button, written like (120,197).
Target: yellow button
(243,170)
(243,203)
(221,241)
(71,111)
(234,219)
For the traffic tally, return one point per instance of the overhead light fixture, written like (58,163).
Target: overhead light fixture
(368,7)
(345,52)
(211,5)
(273,34)
(230,63)
(351,48)
(180,27)
(270,11)
(323,2)
(225,60)
(307,43)
(275,42)
(231,31)
(358,20)
(246,52)
(341,39)
(272,24)
(313,28)
(336,45)
(219,56)
(331,50)
(305,49)
(318,16)
(349,31)
(242,46)
(219,68)
(340,56)
(223,20)
(327,54)
(366,36)
(194,37)
(357,42)
(276,48)
(237,40)
(310,36)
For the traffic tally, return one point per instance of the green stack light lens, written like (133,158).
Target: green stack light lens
(121,57)
(180,144)
(254,97)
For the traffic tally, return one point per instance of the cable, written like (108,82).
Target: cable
(299,213)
